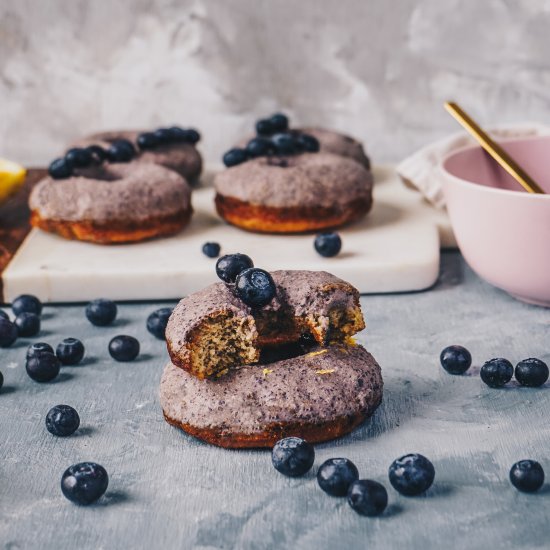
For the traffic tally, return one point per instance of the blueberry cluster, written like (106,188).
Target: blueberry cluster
(254,286)
(496,372)
(410,475)
(120,150)
(273,137)
(26,322)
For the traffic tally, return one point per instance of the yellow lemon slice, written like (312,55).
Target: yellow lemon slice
(12,176)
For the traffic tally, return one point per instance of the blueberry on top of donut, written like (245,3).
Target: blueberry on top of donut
(147,140)
(60,169)
(121,150)
(98,154)
(79,157)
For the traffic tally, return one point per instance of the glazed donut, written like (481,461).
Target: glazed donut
(294,193)
(318,396)
(183,158)
(213,331)
(112,203)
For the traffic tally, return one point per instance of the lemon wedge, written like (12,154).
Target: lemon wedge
(12,176)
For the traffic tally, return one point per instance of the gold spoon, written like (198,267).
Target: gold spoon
(494,149)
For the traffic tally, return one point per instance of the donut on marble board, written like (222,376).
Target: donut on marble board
(112,203)
(178,154)
(293,193)
(246,377)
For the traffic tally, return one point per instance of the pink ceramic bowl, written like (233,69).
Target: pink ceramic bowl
(502,231)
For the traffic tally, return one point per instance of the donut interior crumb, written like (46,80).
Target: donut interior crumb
(225,341)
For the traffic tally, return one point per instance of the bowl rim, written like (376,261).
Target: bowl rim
(484,188)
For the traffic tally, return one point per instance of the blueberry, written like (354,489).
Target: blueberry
(259,147)
(78,157)
(235,156)
(212,250)
(531,372)
(27,303)
(101,312)
(84,483)
(124,348)
(62,420)
(230,265)
(99,154)
(335,476)
(60,169)
(255,287)
(157,321)
(497,372)
(284,143)
(367,497)
(264,127)
(455,359)
(411,474)
(164,135)
(28,324)
(527,476)
(279,122)
(147,140)
(34,350)
(70,351)
(292,456)
(4,315)
(1,380)
(308,143)
(121,150)
(43,367)
(328,244)
(8,333)
(192,135)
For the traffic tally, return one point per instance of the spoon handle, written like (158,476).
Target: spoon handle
(494,149)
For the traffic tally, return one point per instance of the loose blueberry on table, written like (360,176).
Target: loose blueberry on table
(411,474)
(84,483)
(527,476)
(26,303)
(157,321)
(62,420)
(367,497)
(335,476)
(28,324)
(255,287)
(230,265)
(328,244)
(455,359)
(124,348)
(292,456)
(43,367)
(531,372)
(70,351)
(101,312)
(496,372)
(212,250)
(1,380)
(8,333)
(36,349)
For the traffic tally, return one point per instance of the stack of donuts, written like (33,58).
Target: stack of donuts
(128,186)
(260,356)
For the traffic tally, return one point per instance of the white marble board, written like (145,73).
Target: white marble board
(394,249)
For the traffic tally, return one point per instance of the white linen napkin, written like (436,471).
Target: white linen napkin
(420,170)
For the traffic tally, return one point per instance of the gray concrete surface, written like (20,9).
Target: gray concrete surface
(170,491)
(378,69)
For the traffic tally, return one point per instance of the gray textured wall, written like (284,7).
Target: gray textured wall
(378,69)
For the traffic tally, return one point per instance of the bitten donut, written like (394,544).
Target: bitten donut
(164,150)
(111,203)
(212,331)
(318,396)
(294,193)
